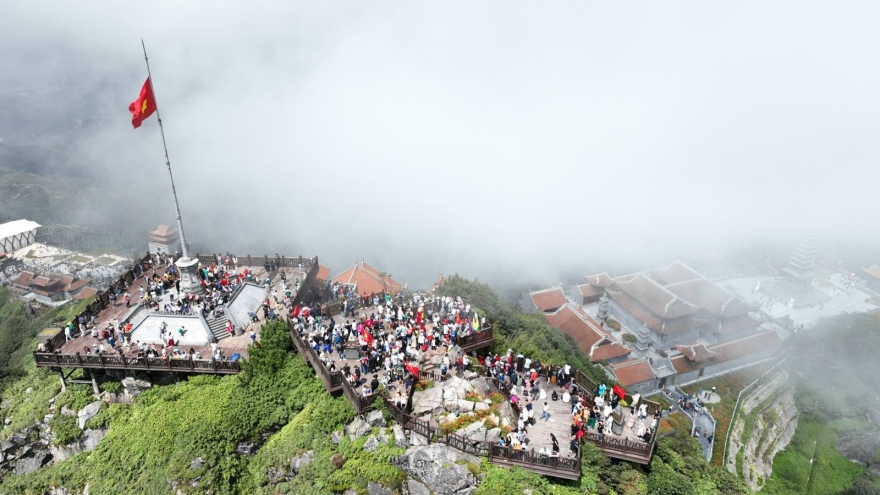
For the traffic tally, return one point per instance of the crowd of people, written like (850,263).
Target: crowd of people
(391,336)
(527,384)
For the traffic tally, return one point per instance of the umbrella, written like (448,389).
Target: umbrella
(235,357)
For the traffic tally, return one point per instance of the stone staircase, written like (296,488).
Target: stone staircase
(218,327)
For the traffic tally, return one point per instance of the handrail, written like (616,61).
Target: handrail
(116,362)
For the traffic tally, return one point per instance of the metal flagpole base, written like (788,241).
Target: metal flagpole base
(190,282)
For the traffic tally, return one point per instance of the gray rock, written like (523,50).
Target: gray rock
(275,475)
(30,464)
(375,418)
(246,449)
(67,411)
(416,439)
(399,436)
(334,437)
(416,488)
(135,387)
(358,428)
(441,468)
(301,461)
(465,405)
(85,443)
(481,406)
(87,413)
(481,386)
(29,390)
(374,488)
(7,446)
(197,463)
(371,444)
(493,435)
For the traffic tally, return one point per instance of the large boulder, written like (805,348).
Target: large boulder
(493,435)
(375,418)
(374,488)
(87,413)
(443,469)
(85,443)
(371,444)
(416,488)
(482,386)
(33,462)
(135,387)
(399,436)
(301,461)
(417,439)
(358,428)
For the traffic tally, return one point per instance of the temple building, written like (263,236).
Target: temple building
(368,280)
(51,288)
(165,240)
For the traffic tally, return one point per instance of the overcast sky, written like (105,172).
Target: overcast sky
(488,138)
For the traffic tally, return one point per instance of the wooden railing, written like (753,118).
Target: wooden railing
(565,467)
(477,340)
(360,403)
(332,381)
(117,362)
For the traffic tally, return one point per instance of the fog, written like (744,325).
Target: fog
(509,141)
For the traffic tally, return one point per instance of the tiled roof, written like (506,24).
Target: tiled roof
(323,272)
(86,293)
(581,327)
(682,324)
(600,280)
(368,279)
(675,273)
(548,299)
(696,351)
(23,279)
(607,349)
(716,299)
(632,371)
(873,271)
(590,290)
(657,298)
(636,309)
(730,350)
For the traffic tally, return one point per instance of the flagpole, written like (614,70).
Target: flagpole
(185,252)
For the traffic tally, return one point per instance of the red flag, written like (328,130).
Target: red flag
(144,106)
(618,391)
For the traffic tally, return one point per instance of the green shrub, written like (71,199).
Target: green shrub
(615,325)
(112,387)
(64,428)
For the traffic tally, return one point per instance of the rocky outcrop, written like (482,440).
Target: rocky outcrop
(443,469)
(87,442)
(770,429)
(87,413)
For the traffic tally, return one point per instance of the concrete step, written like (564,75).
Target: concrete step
(218,328)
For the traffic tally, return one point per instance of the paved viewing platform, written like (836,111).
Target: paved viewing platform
(200,330)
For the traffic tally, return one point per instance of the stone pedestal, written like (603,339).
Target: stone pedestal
(190,282)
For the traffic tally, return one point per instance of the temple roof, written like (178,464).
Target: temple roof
(872,271)
(635,308)
(607,349)
(632,371)
(675,273)
(737,324)
(323,272)
(368,279)
(590,290)
(716,299)
(548,299)
(729,351)
(658,299)
(696,351)
(164,233)
(600,280)
(572,321)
